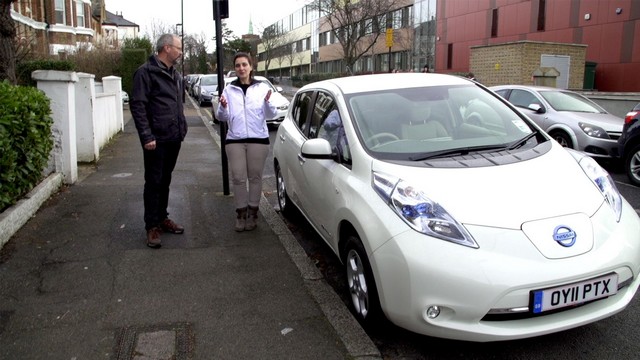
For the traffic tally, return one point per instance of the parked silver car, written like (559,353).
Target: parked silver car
(570,118)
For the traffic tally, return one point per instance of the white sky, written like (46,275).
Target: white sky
(198,14)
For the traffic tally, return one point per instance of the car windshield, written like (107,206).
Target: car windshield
(567,101)
(418,123)
(208,80)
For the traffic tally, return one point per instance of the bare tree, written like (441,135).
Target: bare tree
(195,53)
(272,41)
(357,24)
(158,28)
(7,45)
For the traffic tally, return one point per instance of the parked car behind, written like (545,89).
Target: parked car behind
(570,118)
(281,102)
(629,145)
(205,88)
(450,222)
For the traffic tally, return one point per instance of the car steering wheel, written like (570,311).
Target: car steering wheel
(378,138)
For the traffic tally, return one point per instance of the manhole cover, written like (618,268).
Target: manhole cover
(163,341)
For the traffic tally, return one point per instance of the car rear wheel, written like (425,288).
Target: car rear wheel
(362,287)
(562,138)
(632,165)
(283,199)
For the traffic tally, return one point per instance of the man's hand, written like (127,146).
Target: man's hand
(151,145)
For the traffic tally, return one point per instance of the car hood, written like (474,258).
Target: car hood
(506,196)
(606,121)
(278,100)
(208,88)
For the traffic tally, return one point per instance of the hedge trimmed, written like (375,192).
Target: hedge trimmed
(25,140)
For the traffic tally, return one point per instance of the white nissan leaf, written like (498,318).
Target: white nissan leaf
(454,215)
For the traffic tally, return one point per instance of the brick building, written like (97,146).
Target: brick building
(610,30)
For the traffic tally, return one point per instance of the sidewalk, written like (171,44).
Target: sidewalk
(78,282)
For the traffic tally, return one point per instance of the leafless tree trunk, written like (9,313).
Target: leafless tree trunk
(7,45)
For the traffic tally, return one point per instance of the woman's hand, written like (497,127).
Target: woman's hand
(266,98)
(223,101)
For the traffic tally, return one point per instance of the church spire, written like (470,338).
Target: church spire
(250,25)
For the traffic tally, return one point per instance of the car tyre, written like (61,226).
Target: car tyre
(562,138)
(361,284)
(284,202)
(632,165)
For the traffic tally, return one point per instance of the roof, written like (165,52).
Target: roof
(376,82)
(118,20)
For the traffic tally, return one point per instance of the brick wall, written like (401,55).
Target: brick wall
(515,62)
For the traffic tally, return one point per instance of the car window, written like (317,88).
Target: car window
(208,80)
(321,109)
(523,98)
(567,101)
(330,126)
(300,111)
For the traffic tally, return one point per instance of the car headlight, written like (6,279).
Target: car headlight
(594,131)
(283,107)
(203,92)
(419,212)
(604,182)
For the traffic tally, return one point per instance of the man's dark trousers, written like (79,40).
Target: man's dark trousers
(158,167)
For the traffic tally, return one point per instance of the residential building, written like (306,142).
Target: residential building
(116,29)
(58,27)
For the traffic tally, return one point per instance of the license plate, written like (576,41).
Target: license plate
(573,294)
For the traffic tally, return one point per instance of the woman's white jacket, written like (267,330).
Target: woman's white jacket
(246,115)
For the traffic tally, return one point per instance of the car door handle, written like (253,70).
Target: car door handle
(281,138)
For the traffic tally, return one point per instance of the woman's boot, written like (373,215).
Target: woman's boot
(252,218)
(241,219)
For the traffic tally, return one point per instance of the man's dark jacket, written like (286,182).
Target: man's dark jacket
(156,104)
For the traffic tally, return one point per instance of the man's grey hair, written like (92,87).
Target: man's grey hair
(165,39)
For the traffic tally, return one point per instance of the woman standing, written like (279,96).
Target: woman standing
(245,106)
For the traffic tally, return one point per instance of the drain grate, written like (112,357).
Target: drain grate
(161,341)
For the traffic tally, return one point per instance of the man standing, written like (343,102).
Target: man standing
(157,109)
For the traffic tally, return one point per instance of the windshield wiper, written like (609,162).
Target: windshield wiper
(521,142)
(458,151)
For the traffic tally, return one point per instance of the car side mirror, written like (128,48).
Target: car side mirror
(279,89)
(537,108)
(317,149)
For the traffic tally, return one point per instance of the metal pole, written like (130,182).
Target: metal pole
(182,36)
(223,125)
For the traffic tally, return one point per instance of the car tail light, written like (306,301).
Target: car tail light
(631,115)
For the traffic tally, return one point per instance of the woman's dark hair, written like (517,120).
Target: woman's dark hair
(246,56)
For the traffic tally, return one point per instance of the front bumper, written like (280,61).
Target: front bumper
(414,272)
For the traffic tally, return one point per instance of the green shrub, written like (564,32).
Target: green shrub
(131,60)
(25,140)
(24,69)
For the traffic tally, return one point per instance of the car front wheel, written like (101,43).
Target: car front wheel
(632,165)
(562,138)
(362,286)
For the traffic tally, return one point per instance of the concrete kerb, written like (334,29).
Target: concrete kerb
(13,218)
(354,338)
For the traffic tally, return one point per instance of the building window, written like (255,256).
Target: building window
(449,56)
(494,23)
(60,18)
(396,19)
(80,14)
(542,7)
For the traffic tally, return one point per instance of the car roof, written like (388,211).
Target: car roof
(377,82)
